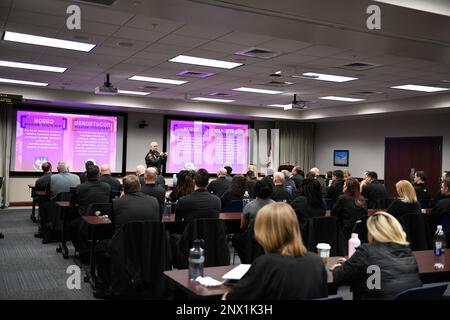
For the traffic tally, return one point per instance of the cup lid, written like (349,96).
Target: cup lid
(323,246)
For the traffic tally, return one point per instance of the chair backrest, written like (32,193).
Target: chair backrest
(140,252)
(425,203)
(246,245)
(234,206)
(432,292)
(327,230)
(418,230)
(328,203)
(361,229)
(104,208)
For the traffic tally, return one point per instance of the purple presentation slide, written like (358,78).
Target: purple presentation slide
(74,138)
(207,145)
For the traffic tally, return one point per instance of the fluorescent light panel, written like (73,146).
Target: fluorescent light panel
(157,80)
(326,77)
(47,42)
(341,99)
(205,62)
(19,65)
(413,87)
(255,90)
(279,105)
(212,100)
(29,83)
(137,93)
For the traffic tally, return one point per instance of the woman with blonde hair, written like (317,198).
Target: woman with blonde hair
(393,265)
(287,270)
(407,202)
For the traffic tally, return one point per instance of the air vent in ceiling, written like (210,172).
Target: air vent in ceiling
(223,94)
(106,3)
(359,66)
(258,53)
(195,74)
(366,93)
(275,83)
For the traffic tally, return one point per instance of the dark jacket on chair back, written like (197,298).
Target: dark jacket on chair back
(376,195)
(347,212)
(92,191)
(199,204)
(397,264)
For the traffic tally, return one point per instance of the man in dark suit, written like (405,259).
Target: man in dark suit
(200,203)
(280,193)
(133,205)
(318,177)
(140,172)
(229,171)
(219,186)
(297,176)
(43,184)
(105,176)
(420,186)
(337,185)
(374,191)
(152,189)
(155,159)
(83,176)
(442,207)
(92,191)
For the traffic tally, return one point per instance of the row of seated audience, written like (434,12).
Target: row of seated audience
(195,199)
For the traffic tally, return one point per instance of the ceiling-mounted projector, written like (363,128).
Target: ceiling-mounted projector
(107,88)
(295,104)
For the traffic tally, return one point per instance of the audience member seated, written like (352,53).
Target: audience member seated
(309,203)
(347,174)
(280,193)
(63,181)
(263,191)
(251,182)
(105,176)
(134,205)
(277,231)
(440,195)
(43,184)
(321,180)
(219,186)
(140,172)
(328,177)
(297,176)
(92,191)
(387,249)
(289,184)
(349,207)
(185,185)
(83,176)
(160,181)
(229,171)
(408,201)
(269,176)
(152,188)
(420,185)
(237,189)
(374,191)
(336,186)
(442,207)
(200,203)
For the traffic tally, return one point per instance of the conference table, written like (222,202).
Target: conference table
(180,279)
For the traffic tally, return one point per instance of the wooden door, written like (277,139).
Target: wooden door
(403,155)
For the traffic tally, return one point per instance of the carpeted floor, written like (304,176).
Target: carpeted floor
(29,269)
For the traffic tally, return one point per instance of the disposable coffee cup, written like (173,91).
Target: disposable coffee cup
(323,250)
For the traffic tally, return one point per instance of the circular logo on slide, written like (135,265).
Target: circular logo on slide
(38,162)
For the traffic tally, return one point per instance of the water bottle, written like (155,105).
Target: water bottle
(353,243)
(439,248)
(167,209)
(174,180)
(196,260)
(245,199)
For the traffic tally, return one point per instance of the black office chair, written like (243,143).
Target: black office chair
(432,292)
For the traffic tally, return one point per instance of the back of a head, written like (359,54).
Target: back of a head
(338,174)
(372,175)
(238,185)
(229,169)
(310,175)
(185,183)
(263,189)
(347,174)
(269,172)
(446,185)
(352,189)
(201,178)
(222,172)
(150,174)
(251,167)
(46,167)
(278,178)
(92,172)
(88,164)
(385,228)
(250,174)
(140,169)
(105,169)
(311,189)
(421,175)
(285,173)
(277,230)
(131,184)
(316,171)
(62,167)
(406,191)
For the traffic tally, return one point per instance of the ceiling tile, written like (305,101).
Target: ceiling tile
(37,19)
(202,31)
(153,24)
(284,45)
(246,39)
(320,51)
(184,41)
(138,34)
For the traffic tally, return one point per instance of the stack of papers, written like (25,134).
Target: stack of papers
(237,273)
(208,281)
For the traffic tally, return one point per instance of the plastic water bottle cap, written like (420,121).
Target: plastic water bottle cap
(354,236)
(439,227)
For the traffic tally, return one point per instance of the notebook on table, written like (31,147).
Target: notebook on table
(236,273)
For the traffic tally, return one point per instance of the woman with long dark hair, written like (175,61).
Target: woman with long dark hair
(185,185)
(350,206)
(237,189)
(309,203)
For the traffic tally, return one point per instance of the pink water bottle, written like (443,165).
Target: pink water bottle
(353,243)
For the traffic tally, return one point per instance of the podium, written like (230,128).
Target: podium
(287,167)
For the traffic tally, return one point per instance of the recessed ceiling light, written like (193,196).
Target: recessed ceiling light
(341,99)
(205,62)
(212,99)
(47,42)
(324,77)
(137,93)
(279,105)
(19,65)
(420,88)
(255,90)
(29,83)
(157,80)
